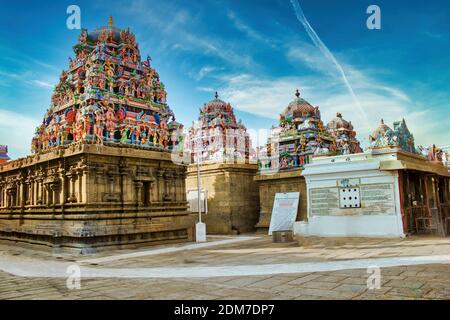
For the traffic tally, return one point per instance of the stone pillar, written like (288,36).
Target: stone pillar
(22,193)
(138,196)
(73,177)
(160,185)
(41,194)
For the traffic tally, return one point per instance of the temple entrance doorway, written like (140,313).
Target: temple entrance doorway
(425,201)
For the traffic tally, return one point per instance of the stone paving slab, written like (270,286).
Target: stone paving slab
(431,281)
(299,286)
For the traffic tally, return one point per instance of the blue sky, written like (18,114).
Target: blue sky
(255,53)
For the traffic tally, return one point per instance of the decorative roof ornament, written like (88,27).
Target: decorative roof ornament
(110,22)
(399,138)
(299,107)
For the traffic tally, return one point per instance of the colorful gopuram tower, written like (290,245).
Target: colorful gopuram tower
(108,96)
(299,136)
(101,173)
(227,169)
(384,138)
(344,135)
(217,135)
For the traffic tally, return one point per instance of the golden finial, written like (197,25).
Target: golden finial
(297,93)
(110,21)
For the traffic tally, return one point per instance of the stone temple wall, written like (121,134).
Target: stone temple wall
(283,181)
(91,196)
(233,199)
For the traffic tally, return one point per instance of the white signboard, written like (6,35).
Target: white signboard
(192,196)
(284,212)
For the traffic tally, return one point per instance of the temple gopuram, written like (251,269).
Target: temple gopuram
(101,172)
(108,96)
(224,150)
(344,135)
(218,135)
(4,154)
(300,137)
(398,139)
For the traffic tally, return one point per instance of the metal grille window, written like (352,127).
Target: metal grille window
(349,197)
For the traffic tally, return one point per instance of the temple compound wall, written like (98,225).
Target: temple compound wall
(88,196)
(271,184)
(233,196)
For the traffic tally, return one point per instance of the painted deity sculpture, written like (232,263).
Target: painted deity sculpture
(108,95)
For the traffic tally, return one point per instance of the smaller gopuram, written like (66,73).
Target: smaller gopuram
(344,134)
(101,173)
(223,148)
(4,154)
(391,190)
(399,138)
(300,137)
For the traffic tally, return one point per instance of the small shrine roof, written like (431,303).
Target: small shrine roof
(299,106)
(382,129)
(216,103)
(339,123)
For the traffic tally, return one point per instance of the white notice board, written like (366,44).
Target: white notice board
(284,211)
(192,196)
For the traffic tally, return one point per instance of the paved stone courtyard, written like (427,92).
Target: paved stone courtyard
(251,267)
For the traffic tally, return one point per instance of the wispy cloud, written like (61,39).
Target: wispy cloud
(176,24)
(42,83)
(327,53)
(27,77)
(205,71)
(205,89)
(247,30)
(16,130)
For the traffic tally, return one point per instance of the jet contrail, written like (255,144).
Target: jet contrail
(325,51)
